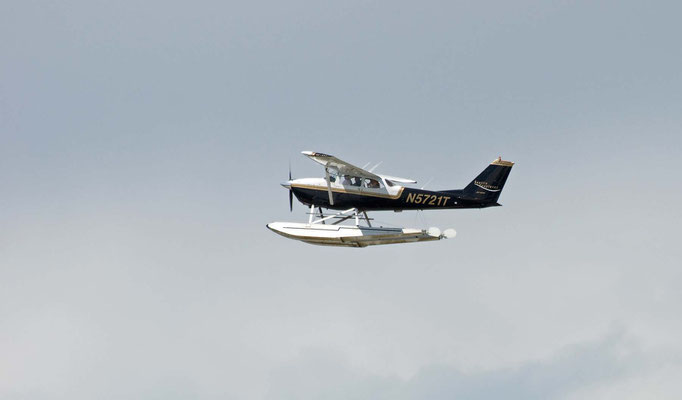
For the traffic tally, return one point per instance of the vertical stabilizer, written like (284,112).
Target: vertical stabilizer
(488,184)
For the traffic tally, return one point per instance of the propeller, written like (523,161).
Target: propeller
(291,194)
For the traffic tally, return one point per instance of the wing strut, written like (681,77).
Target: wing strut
(329,186)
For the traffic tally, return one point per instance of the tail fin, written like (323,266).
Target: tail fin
(488,184)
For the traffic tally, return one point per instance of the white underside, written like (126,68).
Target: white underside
(353,236)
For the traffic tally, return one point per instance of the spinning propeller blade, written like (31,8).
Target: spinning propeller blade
(291,194)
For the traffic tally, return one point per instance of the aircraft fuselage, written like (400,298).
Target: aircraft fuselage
(401,198)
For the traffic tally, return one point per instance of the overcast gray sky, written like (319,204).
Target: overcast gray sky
(141,149)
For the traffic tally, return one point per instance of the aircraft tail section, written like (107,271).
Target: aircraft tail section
(487,186)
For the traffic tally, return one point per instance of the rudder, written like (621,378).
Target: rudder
(487,186)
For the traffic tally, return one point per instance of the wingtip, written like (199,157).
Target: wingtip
(501,162)
(315,154)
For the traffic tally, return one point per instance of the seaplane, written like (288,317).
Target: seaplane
(353,192)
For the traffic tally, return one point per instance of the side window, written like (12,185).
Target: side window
(372,183)
(351,180)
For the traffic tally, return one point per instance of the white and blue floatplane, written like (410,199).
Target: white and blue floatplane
(353,191)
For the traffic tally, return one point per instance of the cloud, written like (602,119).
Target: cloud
(319,374)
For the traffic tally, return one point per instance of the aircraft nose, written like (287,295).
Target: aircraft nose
(286,185)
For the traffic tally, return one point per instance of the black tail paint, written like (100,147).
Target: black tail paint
(488,185)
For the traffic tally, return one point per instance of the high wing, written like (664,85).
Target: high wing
(342,167)
(398,180)
(346,168)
